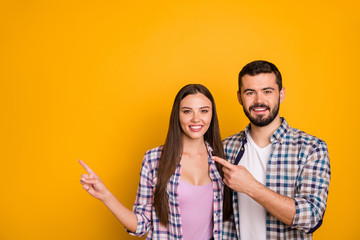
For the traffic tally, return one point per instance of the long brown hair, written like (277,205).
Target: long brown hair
(172,150)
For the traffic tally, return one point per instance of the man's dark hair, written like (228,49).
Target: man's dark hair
(260,66)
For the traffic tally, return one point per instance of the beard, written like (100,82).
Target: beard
(261,121)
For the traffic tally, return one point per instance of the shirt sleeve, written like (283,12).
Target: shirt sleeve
(144,200)
(312,189)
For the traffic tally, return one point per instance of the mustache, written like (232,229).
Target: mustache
(259,106)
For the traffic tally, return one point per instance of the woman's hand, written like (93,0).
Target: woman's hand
(96,188)
(92,183)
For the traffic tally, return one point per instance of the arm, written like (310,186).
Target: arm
(143,206)
(96,188)
(239,179)
(281,207)
(312,189)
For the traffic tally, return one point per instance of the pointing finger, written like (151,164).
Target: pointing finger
(86,167)
(222,162)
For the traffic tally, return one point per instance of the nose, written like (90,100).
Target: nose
(259,98)
(195,118)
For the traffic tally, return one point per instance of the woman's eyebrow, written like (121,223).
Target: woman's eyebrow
(190,107)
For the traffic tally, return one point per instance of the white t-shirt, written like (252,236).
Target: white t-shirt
(253,215)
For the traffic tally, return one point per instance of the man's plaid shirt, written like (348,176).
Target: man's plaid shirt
(299,167)
(148,222)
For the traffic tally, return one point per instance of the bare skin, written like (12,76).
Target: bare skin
(194,164)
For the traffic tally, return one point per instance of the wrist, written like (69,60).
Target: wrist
(254,189)
(107,196)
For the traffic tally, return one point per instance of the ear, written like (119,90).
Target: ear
(282,95)
(239,98)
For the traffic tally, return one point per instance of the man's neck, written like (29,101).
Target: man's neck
(261,135)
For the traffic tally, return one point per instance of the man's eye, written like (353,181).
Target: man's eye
(249,93)
(268,92)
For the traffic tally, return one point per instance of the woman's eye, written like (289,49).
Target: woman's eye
(204,111)
(186,111)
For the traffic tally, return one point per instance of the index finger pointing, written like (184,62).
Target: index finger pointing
(222,162)
(86,167)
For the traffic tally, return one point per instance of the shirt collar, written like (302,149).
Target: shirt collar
(279,134)
(209,149)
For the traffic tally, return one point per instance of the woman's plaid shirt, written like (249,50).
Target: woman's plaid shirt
(144,210)
(299,167)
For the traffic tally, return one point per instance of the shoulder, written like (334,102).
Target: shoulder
(295,137)
(233,138)
(154,152)
(305,140)
(152,157)
(232,144)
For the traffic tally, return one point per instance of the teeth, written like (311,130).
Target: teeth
(195,127)
(259,109)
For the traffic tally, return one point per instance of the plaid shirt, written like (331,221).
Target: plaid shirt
(299,167)
(144,210)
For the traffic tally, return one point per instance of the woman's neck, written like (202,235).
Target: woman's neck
(193,146)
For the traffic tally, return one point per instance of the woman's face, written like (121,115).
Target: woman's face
(195,115)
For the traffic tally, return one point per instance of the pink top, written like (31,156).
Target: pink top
(196,210)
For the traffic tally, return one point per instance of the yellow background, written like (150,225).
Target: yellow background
(96,80)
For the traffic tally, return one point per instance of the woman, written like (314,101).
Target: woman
(180,191)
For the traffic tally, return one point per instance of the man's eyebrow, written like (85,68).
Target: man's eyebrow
(268,88)
(250,89)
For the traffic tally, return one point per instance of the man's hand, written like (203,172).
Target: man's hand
(236,177)
(240,180)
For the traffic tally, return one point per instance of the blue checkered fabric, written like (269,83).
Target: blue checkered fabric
(148,222)
(299,167)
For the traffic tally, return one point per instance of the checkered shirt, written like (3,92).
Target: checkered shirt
(147,220)
(299,167)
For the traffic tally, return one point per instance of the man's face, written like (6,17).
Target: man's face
(260,97)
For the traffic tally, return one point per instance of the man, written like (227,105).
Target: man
(279,175)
